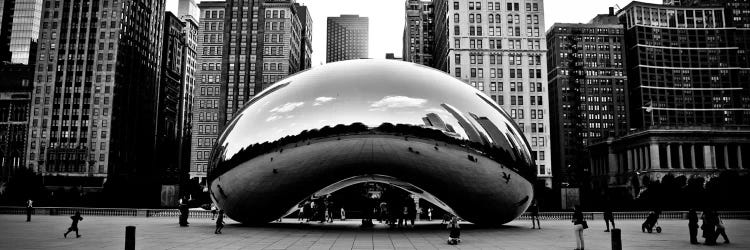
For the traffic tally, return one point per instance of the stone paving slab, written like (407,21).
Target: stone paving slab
(45,232)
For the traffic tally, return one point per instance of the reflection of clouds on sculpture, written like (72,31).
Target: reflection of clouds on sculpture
(390,102)
(323,99)
(276,117)
(287,107)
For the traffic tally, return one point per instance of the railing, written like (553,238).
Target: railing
(134,212)
(635,215)
(124,212)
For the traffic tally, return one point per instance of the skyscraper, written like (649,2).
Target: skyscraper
(174,109)
(96,81)
(418,32)
(347,38)
(262,45)
(23,18)
(209,82)
(586,90)
(305,20)
(482,43)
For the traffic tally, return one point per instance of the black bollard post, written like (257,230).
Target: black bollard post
(616,239)
(130,238)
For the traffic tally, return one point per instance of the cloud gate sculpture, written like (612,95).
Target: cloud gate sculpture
(386,121)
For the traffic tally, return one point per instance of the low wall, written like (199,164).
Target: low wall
(134,212)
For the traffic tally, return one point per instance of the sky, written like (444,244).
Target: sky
(387,19)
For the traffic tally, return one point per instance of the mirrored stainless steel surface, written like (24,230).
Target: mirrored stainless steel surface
(425,131)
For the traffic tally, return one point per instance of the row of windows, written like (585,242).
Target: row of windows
(213,129)
(496,18)
(213,38)
(212,50)
(209,91)
(211,66)
(213,14)
(206,141)
(213,26)
(496,6)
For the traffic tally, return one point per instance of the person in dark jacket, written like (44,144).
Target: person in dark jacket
(29,209)
(692,217)
(534,210)
(454,235)
(579,224)
(219,222)
(74,225)
(708,227)
(609,217)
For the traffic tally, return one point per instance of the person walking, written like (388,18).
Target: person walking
(29,209)
(609,217)
(534,209)
(692,217)
(720,229)
(708,227)
(579,224)
(74,225)
(219,222)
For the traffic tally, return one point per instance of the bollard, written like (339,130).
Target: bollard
(130,238)
(616,239)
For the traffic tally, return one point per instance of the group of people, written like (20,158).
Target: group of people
(712,227)
(396,214)
(319,209)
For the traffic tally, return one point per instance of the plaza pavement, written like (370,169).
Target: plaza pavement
(45,232)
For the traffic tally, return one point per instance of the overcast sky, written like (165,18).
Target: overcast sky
(387,19)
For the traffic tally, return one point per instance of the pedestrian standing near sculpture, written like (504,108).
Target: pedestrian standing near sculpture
(29,209)
(429,214)
(534,209)
(692,217)
(219,222)
(708,227)
(183,208)
(343,214)
(609,217)
(720,229)
(74,225)
(213,211)
(579,224)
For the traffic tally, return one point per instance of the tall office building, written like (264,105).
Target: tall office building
(175,103)
(19,29)
(15,103)
(207,90)
(168,100)
(96,81)
(347,38)
(306,22)
(689,105)
(586,89)
(418,32)
(262,45)
(499,48)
